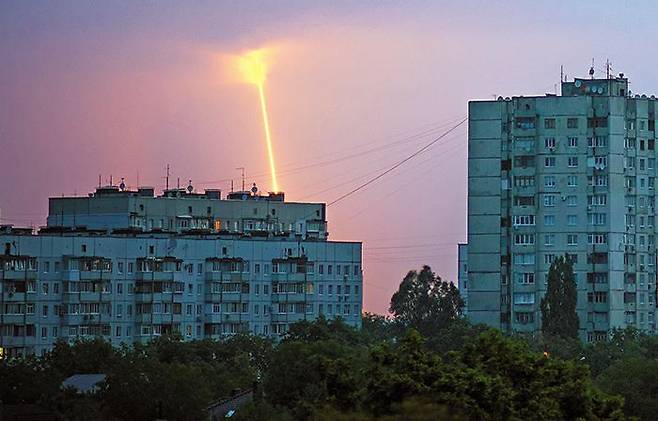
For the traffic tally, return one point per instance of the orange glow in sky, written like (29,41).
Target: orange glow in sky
(253,69)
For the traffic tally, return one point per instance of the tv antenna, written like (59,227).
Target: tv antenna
(243,177)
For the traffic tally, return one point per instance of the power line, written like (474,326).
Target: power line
(408,158)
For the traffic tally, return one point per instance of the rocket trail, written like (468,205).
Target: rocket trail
(268,138)
(253,68)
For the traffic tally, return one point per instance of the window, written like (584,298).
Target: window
(549,161)
(524,298)
(549,239)
(524,219)
(572,220)
(597,239)
(549,123)
(599,180)
(597,297)
(524,123)
(549,258)
(549,220)
(549,143)
(597,200)
(593,122)
(524,200)
(572,239)
(572,123)
(524,161)
(572,180)
(524,239)
(549,181)
(572,200)
(524,318)
(549,200)
(526,278)
(524,258)
(573,142)
(600,162)
(572,257)
(524,181)
(597,142)
(572,161)
(596,218)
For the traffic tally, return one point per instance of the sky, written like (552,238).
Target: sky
(125,88)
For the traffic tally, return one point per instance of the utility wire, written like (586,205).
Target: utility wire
(408,158)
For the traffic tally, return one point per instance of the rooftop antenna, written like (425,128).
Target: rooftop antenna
(561,73)
(608,68)
(110,180)
(591,70)
(122,186)
(178,183)
(100,182)
(190,188)
(167,178)
(231,185)
(242,171)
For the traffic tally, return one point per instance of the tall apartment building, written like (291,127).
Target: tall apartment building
(462,274)
(571,174)
(129,266)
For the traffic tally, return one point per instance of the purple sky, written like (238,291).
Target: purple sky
(124,88)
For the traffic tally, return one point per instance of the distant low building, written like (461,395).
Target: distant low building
(84,383)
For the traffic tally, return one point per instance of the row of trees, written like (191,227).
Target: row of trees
(424,362)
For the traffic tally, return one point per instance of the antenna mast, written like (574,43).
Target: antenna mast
(242,170)
(167,178)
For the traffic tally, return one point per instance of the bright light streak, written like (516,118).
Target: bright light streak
(268,139)
(253,68)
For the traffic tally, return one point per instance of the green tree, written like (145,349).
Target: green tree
(558,307)
(636,380)
(425,302)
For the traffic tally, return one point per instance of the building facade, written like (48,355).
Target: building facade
(571,175)
(462,274)
(129,266)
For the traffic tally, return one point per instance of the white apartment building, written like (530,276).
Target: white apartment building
(129,266)
(563,174)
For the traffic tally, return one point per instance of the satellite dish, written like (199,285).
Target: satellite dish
(600,90)
(577,83)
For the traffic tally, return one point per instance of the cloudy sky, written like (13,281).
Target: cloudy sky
(125,88)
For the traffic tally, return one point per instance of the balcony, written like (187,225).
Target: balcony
(18,319)
(290,298)
(225,297)
(217,276)
(18,341)
(19,275)
(19,297)
(156,276)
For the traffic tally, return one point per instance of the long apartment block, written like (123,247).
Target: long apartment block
(571,174)
(129,266)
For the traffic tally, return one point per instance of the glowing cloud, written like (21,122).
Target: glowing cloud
(253,69)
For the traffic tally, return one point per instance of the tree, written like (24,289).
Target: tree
(558,307)
(425,302)
(636,380)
